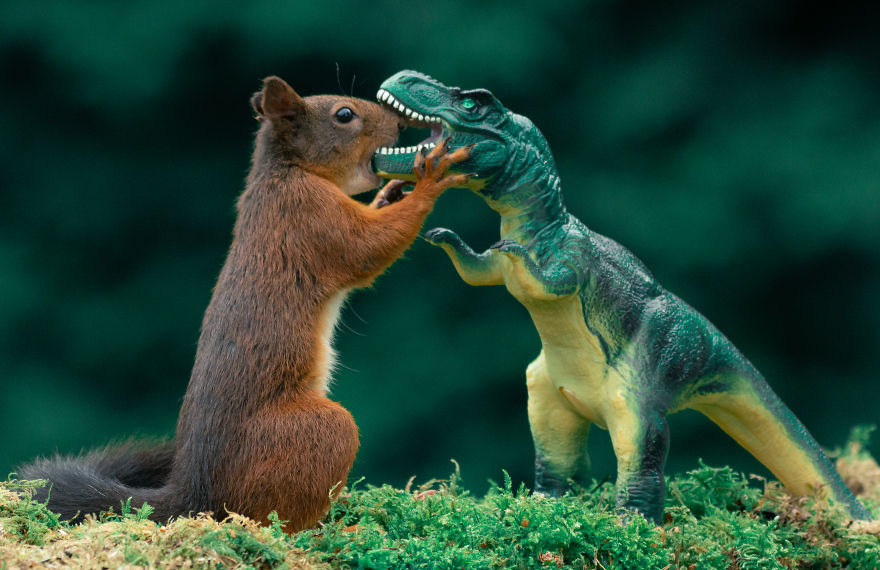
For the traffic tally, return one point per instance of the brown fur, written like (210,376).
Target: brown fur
(277,443)
(256,432)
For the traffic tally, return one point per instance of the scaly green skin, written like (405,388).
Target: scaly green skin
(619,350)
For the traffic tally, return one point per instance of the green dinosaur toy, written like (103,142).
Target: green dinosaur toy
(618,350)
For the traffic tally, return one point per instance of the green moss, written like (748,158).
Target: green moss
(22,518)
(30,536)
(715,518)
(441,526)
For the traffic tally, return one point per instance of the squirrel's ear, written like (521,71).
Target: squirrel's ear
(257,104)
(277,99)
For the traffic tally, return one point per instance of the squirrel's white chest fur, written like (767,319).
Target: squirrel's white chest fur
(326,358)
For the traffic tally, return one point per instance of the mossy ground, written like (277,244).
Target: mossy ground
(715,518)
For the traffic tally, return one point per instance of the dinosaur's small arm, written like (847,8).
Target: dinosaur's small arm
(474,268)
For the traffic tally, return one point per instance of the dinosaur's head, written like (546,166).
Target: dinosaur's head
(507,145)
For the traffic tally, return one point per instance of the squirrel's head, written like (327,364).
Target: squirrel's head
(331,136)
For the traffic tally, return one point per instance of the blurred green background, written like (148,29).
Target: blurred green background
(734,147)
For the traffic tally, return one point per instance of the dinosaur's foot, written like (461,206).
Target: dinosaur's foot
(643,493)
(547,482)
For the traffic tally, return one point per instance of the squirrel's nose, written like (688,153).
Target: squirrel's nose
(401,125)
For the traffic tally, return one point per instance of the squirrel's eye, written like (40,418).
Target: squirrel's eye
(468,103)
(345,115)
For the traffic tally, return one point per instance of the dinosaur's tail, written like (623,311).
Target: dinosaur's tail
(756,418)
(102,479)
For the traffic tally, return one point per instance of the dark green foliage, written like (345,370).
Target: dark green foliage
(734,148)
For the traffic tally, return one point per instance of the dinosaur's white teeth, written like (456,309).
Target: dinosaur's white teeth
(405,150)
(384,96)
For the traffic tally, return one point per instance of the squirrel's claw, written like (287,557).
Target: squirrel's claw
(419,165)
(389,194)
(432,169)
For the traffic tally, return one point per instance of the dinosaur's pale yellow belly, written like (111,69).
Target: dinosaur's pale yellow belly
(573,361)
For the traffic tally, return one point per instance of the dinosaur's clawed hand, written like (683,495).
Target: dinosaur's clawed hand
(509,247)
(437,236)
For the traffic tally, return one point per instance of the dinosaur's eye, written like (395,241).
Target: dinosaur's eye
(468,103)
(345,115)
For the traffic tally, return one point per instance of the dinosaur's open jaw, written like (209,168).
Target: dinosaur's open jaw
(397,162)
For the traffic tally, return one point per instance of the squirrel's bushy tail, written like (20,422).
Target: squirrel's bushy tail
(101,479)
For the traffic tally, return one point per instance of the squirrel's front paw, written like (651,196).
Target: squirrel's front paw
(389,194)
(431,170)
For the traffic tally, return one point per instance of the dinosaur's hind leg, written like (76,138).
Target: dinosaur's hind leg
(559,433)
(752,414)
(640,437)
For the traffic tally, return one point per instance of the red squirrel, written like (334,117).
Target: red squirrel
(256,432)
